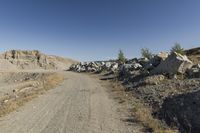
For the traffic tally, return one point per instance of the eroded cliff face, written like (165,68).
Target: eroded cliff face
(21,59)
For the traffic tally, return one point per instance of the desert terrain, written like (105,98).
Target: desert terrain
(50,94)
(38,95)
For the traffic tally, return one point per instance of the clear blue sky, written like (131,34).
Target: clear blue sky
(97,29)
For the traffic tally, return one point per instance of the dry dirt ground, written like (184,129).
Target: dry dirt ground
(79,105)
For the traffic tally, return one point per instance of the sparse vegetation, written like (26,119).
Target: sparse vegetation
(121,57)
(178,49)
(144,115)
(52,80)
(145,52)
(141,112)
(10,102)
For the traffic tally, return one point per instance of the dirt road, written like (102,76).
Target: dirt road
(79,105)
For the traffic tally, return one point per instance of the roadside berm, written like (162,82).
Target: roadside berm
(168,84)
(19,87)
(26,73)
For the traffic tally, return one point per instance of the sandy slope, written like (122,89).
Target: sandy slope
(78,105)
(32,60)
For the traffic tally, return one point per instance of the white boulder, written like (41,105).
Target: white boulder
(174,63)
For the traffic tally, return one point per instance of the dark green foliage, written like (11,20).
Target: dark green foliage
(145,52)
(178,49)
(121,57)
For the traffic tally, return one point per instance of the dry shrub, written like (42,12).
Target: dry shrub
(13,104)
(52,80)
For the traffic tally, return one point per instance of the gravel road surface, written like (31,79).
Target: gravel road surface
(79,105)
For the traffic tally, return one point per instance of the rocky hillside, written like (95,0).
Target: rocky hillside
(21,59)
(168,84)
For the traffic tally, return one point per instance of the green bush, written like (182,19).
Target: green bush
(121,57)
(145,52)
(178,49)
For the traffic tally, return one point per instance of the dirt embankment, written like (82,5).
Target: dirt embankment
(138,103)
(172,100)
(33,59)
(183,111)
(20,87)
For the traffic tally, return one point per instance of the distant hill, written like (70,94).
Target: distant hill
(34,59)
(194,55)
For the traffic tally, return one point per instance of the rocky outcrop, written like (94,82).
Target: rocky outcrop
(173,64)
(163,63)
(155,61)
(33,60)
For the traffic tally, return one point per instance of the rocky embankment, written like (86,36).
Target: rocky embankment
(29,60)
(168,83)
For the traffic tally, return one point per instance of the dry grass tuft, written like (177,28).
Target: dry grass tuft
(52,80)
(143,113)
(13,101)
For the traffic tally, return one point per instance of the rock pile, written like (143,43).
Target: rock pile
(96,67)
(163,63)
(163,82)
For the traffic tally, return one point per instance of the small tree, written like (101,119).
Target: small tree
(145,52)
(121,56)
(178,49)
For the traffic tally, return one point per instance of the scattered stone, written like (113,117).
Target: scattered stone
(5,101)
(152,80)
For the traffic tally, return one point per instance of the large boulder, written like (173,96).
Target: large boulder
(114,67)
(143,61)
(162,55)
(155,61)
(173,64)
(194,71)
